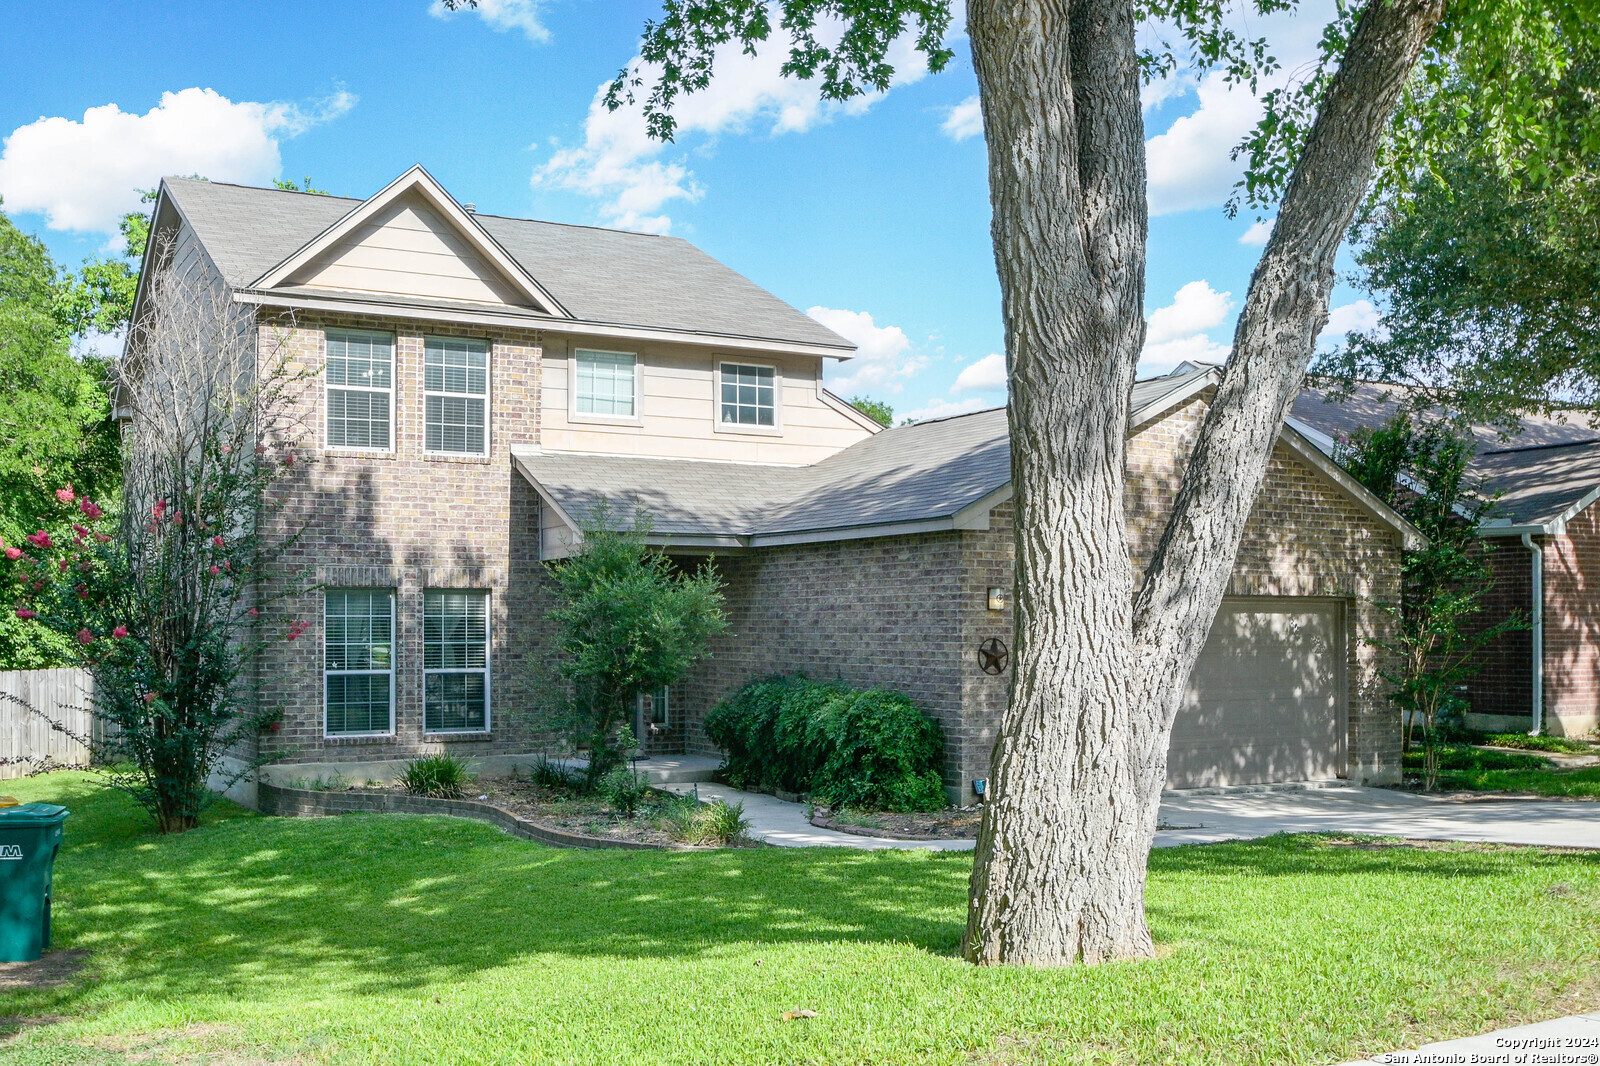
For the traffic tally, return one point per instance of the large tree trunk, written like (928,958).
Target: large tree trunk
(1098,675)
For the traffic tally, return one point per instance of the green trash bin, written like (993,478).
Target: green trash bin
(30,836)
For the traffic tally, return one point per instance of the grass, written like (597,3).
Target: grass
(405,940)
(1543,742)
(1470,769)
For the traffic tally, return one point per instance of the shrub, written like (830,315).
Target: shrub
(624,790)
(442,776)
(1539,743)
(714,824)
(872,750)
(555,777)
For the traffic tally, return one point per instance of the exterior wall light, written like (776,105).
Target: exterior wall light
(997,598)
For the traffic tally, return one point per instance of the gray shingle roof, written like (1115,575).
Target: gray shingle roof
(917,473)
(601,276)
(1539,474)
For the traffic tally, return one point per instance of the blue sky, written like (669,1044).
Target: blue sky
(873,217)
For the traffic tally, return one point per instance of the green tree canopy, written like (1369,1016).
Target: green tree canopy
(1489,274)
(54,425)
(877,410)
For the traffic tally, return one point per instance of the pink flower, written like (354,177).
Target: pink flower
(120,632)
(151,527)
(79,531)
(149,697)
(276,726)
(177,517)
(103,538)
(85,637)
(215,570)
(227,449)
(159,509)
(24,613)
(82,591)
(89,508)
(217,540)
(40,539)
(288,460)
(66,495)
(296,629)
(13,553)
(252,612)
(62,564)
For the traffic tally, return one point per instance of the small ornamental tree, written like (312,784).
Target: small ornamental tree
(629,622)
(1422,471)
(162,603)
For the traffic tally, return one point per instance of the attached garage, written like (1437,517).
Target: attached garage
(1266,701)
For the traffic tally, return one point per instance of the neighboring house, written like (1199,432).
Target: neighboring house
(1543,541)
(482,383)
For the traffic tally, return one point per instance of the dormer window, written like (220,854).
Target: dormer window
(456,395)
(748,394)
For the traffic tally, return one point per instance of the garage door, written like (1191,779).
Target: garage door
(1266,702)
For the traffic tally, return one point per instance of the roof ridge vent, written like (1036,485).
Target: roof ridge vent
(470,209)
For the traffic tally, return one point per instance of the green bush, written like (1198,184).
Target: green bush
(443,776)
(873,750)
(624,791)
(688,821)
(1539,743)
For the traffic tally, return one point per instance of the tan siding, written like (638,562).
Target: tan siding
(678,408)
(408,249)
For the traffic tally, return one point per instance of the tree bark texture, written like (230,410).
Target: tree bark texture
(1099,670)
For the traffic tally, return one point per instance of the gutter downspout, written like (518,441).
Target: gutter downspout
(1538,633)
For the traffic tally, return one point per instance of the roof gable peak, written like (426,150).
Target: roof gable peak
(362,245)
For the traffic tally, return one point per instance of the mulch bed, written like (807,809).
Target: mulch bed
(564,812)
(952,823)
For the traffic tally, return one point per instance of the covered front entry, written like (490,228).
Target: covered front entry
(1267,699)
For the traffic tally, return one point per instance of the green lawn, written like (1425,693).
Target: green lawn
(393,939)
(1463,768)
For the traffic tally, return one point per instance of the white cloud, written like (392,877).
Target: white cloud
(987,373)
(963,120)
(946,408)
(1256,236)
(503,15)
(1357,317)
(884,357)
(86,175)
(619,164)
(1189,165)
(1178,331)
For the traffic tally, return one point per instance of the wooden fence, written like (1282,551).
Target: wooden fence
(57,695)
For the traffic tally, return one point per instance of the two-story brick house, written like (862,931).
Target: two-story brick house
(477,384)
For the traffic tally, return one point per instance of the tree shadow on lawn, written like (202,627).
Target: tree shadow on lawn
(385,903)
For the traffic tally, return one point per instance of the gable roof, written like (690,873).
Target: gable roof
(598,277)
(945,473)
(415,181)
(1544,476)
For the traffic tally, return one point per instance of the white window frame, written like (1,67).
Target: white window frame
(776,429)
(488,394)
(390,672)
(487,669)
(575,415)
(328,388)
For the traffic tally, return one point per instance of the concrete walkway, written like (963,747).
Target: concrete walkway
(1208,815)
(1574,1039)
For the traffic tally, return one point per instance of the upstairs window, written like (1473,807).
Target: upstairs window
(360,389)
(357,661)
(455,391)
(749,395)
(606,383)
(455,661)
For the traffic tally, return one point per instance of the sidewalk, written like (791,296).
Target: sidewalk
(780,822)
(1567,1040)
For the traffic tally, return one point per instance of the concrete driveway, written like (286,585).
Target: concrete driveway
(1203,816)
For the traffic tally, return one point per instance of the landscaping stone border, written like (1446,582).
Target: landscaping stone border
(311,803)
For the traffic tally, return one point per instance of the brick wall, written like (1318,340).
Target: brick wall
(1572,626)
(909,612)
(1502,684)
(408,522)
